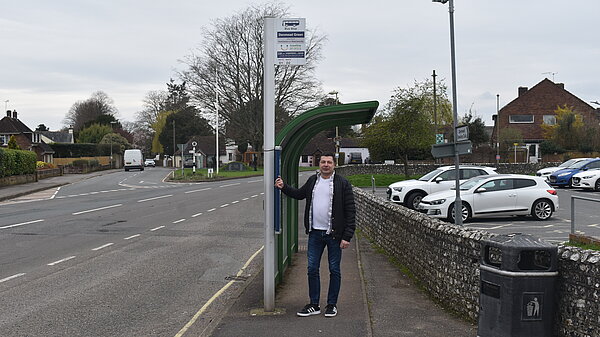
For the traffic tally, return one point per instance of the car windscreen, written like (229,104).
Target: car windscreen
(579,164)
(467,185)
(568,163)
(430,175)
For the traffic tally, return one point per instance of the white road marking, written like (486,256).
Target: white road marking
(547,226)
(103,246)
(162,196)
(157,228)
(245,199)
(254,181)
(178,221)
(212,209)
(21,224)
(56,192)
(235,202)
(227,185)
(261,193)
(97,209)
(11,277)
(224,205)
(594,225)
(60,261)
(197,214)
(200,190)
(131,237)
(254,196)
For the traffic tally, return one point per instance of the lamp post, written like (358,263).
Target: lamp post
(337,132)
(497,130)
(111,143)
(457,201)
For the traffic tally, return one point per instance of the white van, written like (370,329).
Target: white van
(133,159)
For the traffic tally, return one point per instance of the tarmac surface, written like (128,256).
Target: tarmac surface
(376,298)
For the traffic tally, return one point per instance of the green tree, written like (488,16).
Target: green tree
(477,134)
(88,110)
(187,124)
(508,137)
(404,132)
(94,133)
(119,143)
(12,143)
(569,129)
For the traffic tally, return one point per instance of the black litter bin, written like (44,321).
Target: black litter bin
(518,275)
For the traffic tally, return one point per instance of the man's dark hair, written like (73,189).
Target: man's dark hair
(328,154)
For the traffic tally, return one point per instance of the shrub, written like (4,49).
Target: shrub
(16,162)
(41,165)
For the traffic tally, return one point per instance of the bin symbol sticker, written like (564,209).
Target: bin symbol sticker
(532,303)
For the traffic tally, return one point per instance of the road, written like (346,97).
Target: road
(555,229)
(125,254)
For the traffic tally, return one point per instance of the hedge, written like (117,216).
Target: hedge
(68,150)
(16,162)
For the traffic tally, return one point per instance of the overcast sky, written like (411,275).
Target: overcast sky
(55,53)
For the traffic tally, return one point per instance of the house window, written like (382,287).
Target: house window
(305,159)
(3,139)
(550,119)
(521,118)
(230,156)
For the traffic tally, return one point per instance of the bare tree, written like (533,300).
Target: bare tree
(90,109)
(153,104)
(230,62)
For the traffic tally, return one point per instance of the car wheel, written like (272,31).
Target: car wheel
(570,183)
(597,185)
(414,199)
(466,212)
(541,209)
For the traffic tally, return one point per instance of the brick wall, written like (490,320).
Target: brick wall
(445,259)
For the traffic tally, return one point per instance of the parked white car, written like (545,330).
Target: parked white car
(547,171)
(497,195)
(410,192)
(587,179)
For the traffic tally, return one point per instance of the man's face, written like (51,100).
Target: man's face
(326,165)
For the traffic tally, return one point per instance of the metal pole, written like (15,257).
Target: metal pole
(217,124)
(174,147)
(269,144)
(497,130)
(572,215)
(458,202)
(434,104)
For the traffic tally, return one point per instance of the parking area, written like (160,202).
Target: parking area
(556,229)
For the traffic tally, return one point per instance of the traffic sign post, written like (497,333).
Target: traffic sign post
(290,44)
(448,150)
(439,138)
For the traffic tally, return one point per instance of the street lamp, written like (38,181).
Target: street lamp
(337,132)
(111,142)
(457,201)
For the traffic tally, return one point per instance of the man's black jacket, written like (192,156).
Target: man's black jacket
(343,209)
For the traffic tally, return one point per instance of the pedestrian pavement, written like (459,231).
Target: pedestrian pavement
(376,298)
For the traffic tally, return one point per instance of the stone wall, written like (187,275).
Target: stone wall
(421,169)
(444,259)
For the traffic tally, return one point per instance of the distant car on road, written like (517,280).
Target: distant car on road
(495,195)
(587,179)
(547,171)
(410,192)
(188,162)
(563,178)
(149,162)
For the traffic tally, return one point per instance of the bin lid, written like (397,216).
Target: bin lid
(519,252)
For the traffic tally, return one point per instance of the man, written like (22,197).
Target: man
(329,222)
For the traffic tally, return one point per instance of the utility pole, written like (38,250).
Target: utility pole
(174,146)
(217,125)
(434,104)
(497,129)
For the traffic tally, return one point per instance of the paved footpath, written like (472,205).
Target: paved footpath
(376,299)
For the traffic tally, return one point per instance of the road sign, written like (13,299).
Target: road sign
(290,44)
(439,138)
(447,150)
(462,133)
(181,147)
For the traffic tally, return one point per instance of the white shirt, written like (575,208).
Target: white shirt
(321,204)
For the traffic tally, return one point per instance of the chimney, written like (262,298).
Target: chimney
(15,114)
(522,90)
(8,113)
(561,85)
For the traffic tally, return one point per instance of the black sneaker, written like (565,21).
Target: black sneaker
(330,310)
(308,310)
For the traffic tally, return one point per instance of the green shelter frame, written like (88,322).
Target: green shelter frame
(292,139)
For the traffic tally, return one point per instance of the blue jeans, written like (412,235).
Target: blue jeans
(317,241)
